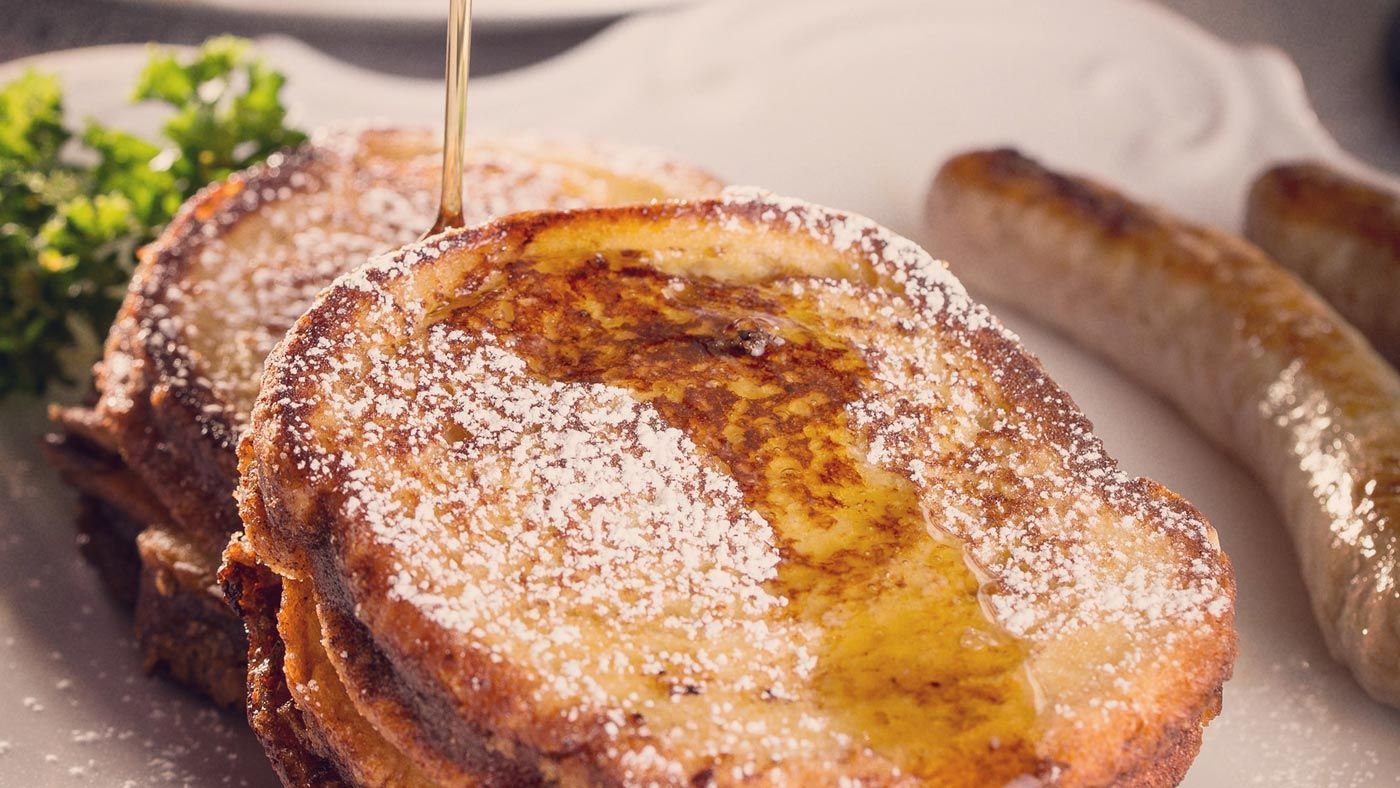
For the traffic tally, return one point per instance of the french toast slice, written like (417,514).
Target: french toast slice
(209,300)
(737,490)
(245,258)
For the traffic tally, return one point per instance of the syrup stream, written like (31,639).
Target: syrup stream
(459,49)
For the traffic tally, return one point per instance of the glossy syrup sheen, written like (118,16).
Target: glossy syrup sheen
(454,153)
(909,663)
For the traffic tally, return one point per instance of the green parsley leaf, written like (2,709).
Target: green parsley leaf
(70,226)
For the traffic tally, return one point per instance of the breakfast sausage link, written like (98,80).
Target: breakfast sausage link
(1342,236)
(1256,359)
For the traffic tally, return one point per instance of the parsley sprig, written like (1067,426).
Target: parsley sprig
(75,206)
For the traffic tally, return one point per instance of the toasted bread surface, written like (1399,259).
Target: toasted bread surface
(739,490)
(210,298)
(245,257)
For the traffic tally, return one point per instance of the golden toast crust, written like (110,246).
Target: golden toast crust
(836,288)
(256,593)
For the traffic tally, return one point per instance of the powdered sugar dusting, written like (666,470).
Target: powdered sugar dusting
(901,263)
(1064,539)
(567,530)
(579,480)
(1070,548)
(257,262)
(1064,551)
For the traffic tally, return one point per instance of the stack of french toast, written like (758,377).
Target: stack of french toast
(154,455)
(638,480)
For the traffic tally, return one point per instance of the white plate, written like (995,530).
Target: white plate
(489,13)
(851,104)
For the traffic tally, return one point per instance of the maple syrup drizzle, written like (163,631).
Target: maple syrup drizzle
(459,49)
(911,664)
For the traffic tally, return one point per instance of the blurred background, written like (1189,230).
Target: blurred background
(1348,50)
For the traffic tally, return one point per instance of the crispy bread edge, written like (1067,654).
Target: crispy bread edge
(256,592)
(181,438)
(186,629)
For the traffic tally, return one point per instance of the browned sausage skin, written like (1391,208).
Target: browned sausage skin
(1247,351)
(1342,236)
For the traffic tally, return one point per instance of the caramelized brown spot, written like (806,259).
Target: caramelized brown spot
(909,663)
